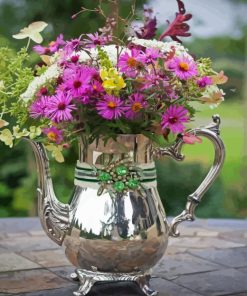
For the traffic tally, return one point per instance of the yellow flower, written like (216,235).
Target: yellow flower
(32,32)
(35,131)
(112,80)
(3,123)
(56,152)
(19,134)
(7,137)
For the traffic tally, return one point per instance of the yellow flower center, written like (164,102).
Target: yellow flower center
(132,62)
(136,107)
(52,136)
(111,105)
(183,66)
(94,87)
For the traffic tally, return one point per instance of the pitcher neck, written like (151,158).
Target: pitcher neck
(136,147)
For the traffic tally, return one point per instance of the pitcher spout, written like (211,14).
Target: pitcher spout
(54,215)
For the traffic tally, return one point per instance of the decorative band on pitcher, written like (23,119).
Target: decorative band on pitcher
(119,175)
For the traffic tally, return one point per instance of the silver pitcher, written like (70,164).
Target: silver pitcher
(117,236)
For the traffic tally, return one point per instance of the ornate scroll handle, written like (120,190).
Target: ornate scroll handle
(210,132)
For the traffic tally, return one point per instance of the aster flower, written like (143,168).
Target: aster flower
(204,81)
(41,50)
(72,45)
(150,55)
(94,40)
(183,67)
(53,134)
(130,62)
(39,107)
(110,107)
(60,107)
(55,45)
(174,117)
(137,103)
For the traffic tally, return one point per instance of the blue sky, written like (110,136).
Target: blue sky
(210,17)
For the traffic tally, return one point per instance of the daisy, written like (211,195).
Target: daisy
(53,134)
(137,103)
(60,107)
(39,107)
(94,40)
(130,62)
(183,67)
(204,81)
(174,117)
(110,107)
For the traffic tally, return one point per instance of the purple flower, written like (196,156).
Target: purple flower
(183,67)
(77,80)
(41,50)
(174,117)
(150,55)
(72,45)
(53,134)
(204,81)
(149,28)
(136,104)
(110,107)
(95,40)
(55,45)
(60,107)
(39,107)
(130,63)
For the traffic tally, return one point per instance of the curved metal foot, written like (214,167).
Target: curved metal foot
(74,277)
(144,284)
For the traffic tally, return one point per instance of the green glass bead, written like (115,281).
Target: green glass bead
(119,186)
(133,184)
(121,170)
(104,176)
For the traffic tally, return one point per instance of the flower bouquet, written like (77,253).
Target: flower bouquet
(102,86)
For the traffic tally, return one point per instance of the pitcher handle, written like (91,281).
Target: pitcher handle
(212,133)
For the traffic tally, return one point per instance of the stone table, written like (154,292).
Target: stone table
(210,258)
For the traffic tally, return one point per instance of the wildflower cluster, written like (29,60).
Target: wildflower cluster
(94,86)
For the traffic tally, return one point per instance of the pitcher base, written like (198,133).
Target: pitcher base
(88,278)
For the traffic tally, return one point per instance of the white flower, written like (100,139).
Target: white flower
(50,74)
(17,133)
(32,32)
(6,137)
(35,131)
(212,96)
(56,152)
(162,46)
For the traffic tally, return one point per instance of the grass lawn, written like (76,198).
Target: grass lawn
(232,134)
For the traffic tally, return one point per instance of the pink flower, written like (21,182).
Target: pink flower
(39,107)
(150,55)
(110,107)
(137,103)
(183,67)
(191,139)
(55,45)
(41,50)
(77,80)
(130,63)
(60,107)
(72,45)
(53,134)
(95,40)
(174,117)
(204,81)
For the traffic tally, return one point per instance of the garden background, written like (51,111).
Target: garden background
(219,31)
